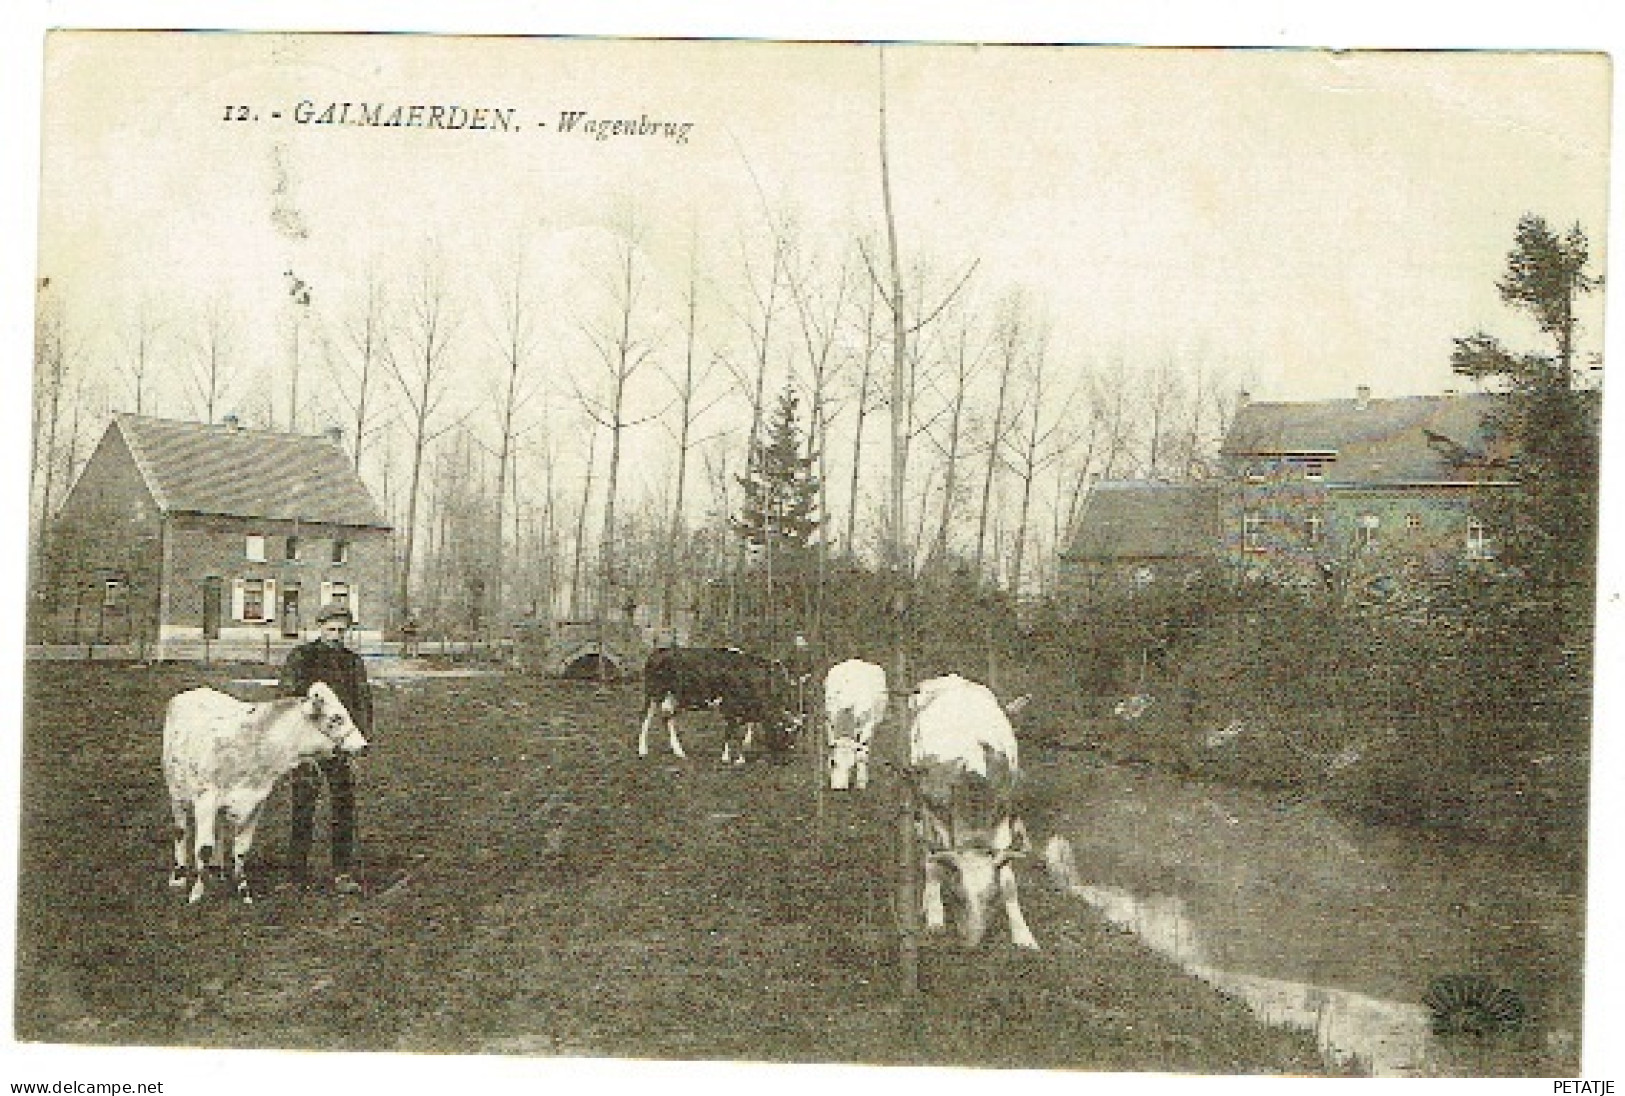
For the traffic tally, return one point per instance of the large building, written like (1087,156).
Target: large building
(1375,491)
(180,532)
(1383,487)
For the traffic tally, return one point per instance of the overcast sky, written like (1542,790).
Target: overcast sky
(1319,220)
(1308,220)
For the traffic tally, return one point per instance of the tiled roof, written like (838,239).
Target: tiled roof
(1146,519)
(1416,439)
(194,468)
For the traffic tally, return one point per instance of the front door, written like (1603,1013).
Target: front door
(290,612)
(211,608)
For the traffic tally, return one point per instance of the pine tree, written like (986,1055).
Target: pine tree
(779,517)
(1547,527)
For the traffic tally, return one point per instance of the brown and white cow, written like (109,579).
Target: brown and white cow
(750,692)
(854,705)
(966,767)
(222,754)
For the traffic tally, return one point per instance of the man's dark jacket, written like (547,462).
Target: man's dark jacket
(342,669)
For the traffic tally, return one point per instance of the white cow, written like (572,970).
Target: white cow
(966,768)
(854,705)
(224,754)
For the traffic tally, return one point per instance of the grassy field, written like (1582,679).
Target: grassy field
(533,888)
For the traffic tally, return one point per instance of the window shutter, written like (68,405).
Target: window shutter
(237,599)
(327,593)
(269,605)
(355,606)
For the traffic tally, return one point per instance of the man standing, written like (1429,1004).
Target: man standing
(326,658)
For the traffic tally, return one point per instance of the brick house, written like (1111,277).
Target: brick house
(1134,534)
(176,532)
(1374,490)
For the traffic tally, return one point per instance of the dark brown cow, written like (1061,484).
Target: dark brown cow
(750,693)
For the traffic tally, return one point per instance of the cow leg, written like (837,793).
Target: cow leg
(932,895)
(643,734)
(182,813)
(241,847)
(671,733)
(730,732)
(1020,935)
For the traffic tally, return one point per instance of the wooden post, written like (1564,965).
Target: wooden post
(907,896)
(818,750)
(908,867)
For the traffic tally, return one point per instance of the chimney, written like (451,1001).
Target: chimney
(1362,397)
(1243,398)
(335,434)
(231,422)
(1451,392)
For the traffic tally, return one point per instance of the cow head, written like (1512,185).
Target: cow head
(848,764)
(327,713)
(972,872)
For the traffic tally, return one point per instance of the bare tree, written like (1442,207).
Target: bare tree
(516,340)
(759,317)
(963,364)
(52,358)
(578,548)
(1008,339)
(1165,401)
(420,366)
(623,345)
(1034,447)
(758,320)
(212,374)
(690,407)
(360,364)
(869,339)
(141,344)
(821,312)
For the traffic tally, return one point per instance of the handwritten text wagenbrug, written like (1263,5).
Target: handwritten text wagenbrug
(470,119)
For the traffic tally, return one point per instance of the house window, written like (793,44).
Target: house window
(114,592)
(253,600)
(1314,470)
(1252,533)
(254,548)
(1367,531)
(1143,577)
(1314,530)
(345,594)
(1413,522)
(1478,541)
(291,551)
(341,551)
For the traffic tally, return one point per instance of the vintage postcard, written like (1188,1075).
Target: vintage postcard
(1061,558)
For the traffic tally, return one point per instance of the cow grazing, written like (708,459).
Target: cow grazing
(966,767)
(854,705)
(224,754)
(750,693)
